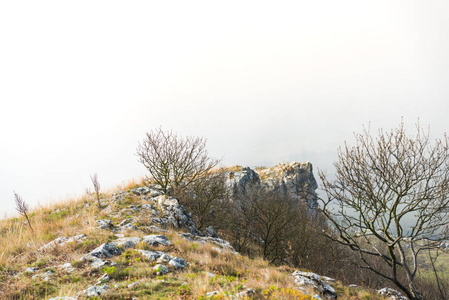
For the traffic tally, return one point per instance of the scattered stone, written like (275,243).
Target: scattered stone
(140,190)
(177,263)
(165,258)
(247,293)
(317,297)
(103,279)
(104,224)
(96,291)
(209,274)
(160,269)
(62,241)
(95,262)
(128,242)
(314,280)
(127,227)
(204,239)
(62,298)
(134,284)
(156,240)
(153,228)
(393,294)
(45,276)
(106,250)
(212,294)
(31,270)
(352,285)
(150,255)
(67,267)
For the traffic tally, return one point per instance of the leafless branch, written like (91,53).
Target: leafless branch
(390,200)
(96,184)
(22,208)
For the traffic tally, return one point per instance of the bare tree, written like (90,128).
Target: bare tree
(22,208)
(205,198)
(96,184)
(174,161)
(389,201)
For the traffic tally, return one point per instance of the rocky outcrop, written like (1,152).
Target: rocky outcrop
(295,178)
(239,181)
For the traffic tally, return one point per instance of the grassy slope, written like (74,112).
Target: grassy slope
(233,273)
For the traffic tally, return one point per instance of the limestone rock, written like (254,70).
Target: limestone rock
(104,224)
(243,179)
(141,190)
(96,291)
(210,232)
(247,293)
(160,269)
(106,250)
(127,242)
(177,263)
(205,239)
(212,294)
(393,294)
(150,255)
(156,240)
(314,280)
(67,267)
(31,270)
(62,241)
(296,178)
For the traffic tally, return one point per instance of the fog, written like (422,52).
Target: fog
(265,82)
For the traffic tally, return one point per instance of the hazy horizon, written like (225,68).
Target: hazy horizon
(81,83)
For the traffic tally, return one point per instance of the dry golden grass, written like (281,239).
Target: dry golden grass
(232,273)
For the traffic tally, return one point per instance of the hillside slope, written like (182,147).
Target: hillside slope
(139,245)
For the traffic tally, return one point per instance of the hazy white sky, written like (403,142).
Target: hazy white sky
(266,82)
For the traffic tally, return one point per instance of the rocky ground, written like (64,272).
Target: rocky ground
(143,245)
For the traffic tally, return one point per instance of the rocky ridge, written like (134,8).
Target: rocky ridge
(143,225)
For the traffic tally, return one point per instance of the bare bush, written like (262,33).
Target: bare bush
(22,208)
(389,202)
(96,185)
(174,162)
(206,198)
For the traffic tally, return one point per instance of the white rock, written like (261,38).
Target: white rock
(106,250)
(62,241)
(150,255)
(177,262)
(103,278)
(128,242)
(393,294)
(96,291)
(67,267)
(314,280)
(160,269)
(156,240)
(212,294)
(31,270)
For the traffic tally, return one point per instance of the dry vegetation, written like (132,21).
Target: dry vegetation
(208,270)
